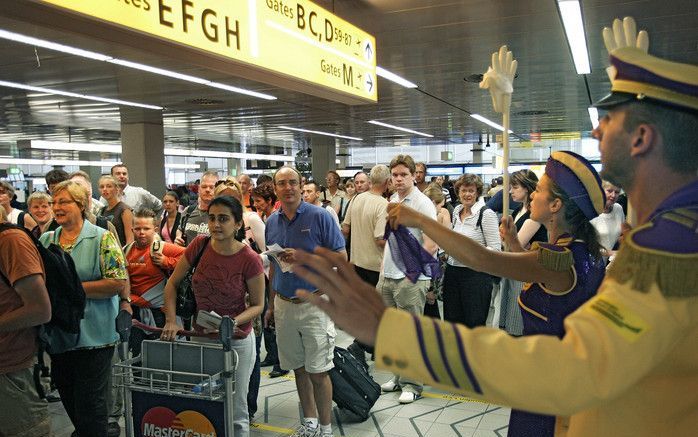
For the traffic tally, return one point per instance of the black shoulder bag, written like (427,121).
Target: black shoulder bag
(186,301)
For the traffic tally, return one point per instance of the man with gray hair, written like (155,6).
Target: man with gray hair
(365,219)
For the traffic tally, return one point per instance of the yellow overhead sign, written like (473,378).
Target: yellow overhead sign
(295,38)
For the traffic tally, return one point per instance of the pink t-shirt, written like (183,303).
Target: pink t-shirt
(220,281)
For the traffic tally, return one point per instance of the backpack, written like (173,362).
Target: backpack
(65,292)
(185,218)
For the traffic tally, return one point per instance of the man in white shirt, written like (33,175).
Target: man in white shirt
(396,289)
(135,197)
(311,194)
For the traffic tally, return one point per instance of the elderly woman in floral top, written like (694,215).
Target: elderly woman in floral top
(81,371)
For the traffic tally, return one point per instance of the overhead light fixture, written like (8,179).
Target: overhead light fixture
(489,122)
(593,116)
(12,36)
(318,132)
(234,155)
(79,163)
(76,95)
(115,148)
(385,74)
(403,129)
(571,14)
(74,147)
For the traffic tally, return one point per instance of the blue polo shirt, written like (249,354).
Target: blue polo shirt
(311,227)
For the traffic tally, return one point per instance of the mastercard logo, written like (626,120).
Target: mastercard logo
(163,422)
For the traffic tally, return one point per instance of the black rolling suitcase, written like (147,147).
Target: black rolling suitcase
(353,388)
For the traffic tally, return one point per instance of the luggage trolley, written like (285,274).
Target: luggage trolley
(177,388)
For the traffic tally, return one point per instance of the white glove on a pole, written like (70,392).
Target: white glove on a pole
(499,79)
(624,34)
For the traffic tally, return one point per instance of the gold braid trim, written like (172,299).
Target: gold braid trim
(676,275)
(554,260)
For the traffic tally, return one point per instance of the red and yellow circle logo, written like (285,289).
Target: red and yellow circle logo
(161,421)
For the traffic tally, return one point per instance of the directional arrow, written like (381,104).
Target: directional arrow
(368,83)
(360,76)
(368,50)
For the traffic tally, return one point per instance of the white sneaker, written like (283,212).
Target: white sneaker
(389,386)
(304,431)
(407,397)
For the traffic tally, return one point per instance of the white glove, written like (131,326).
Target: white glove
(624,34)
(499,79)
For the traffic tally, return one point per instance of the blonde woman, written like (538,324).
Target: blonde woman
(116,211)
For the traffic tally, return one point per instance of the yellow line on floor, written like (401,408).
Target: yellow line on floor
(451,397)
(267,427)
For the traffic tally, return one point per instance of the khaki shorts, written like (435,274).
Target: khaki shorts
(22,412)
(304,335)
(403,294)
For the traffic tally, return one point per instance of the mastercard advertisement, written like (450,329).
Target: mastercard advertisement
(166,416)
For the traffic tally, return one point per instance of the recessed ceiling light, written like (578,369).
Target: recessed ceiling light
(571,14)
(403,129)
(317,132)
(593,116)
(385,74)
(80,96)
(489,122)
(12,36)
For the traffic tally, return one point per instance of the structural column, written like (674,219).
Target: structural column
(143,148)
(324,155)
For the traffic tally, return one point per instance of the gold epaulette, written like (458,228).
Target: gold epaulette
(676,274)
(552,257)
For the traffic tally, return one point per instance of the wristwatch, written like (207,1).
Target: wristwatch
(125,299)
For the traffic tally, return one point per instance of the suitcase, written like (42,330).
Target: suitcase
(353,388)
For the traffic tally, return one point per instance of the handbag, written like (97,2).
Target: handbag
(185,306)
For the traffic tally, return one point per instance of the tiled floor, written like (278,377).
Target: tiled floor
(437,414)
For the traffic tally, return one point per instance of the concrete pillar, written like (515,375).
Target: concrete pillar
(143,144)
(94,172)
(323,156)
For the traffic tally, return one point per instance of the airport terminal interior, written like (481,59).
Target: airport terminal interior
(176,88)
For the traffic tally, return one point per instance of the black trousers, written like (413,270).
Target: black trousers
(371,277)
(255,379)
(467,296)
(82,379)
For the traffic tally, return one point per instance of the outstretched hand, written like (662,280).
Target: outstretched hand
(354,305)
(499,79)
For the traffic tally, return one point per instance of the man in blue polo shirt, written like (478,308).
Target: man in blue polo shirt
(305,335)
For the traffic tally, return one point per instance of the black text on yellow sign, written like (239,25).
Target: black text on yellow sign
(296,38)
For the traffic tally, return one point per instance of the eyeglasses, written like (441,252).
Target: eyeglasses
(291,182)
(63,202)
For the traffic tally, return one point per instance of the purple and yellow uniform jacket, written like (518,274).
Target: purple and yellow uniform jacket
(627,364)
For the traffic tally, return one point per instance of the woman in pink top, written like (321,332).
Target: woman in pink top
(226,272)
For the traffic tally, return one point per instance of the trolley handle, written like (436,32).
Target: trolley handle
(225,332)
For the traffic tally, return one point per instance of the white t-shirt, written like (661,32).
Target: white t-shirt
(608,225)
(421,203)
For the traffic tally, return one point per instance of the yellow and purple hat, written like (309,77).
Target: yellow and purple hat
(640,76)
(580,181)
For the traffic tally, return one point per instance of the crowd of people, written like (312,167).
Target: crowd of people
(132,249)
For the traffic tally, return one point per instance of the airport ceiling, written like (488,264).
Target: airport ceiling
(433,43)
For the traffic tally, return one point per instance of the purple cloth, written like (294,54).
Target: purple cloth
(409,255)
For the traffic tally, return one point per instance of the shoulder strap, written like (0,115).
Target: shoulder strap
(185,217)
(201,253)
(479,223)
(128,248)
(20,219)
(102,222)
